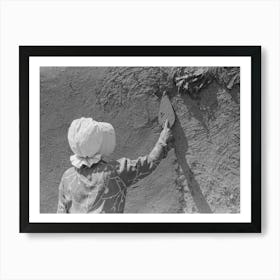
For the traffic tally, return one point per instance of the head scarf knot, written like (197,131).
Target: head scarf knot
(90,140)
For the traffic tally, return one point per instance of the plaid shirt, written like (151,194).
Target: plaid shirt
(102,188)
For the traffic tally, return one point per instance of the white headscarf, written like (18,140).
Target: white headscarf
(90,140)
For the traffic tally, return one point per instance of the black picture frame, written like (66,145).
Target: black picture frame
(25,52)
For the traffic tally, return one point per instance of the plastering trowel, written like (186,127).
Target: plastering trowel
(166,111)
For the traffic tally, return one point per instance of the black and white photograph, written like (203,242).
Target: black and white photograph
(140,140)
(153,135)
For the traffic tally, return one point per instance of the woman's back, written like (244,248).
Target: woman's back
(98,189)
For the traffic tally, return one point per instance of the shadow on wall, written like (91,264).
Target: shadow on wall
(181,147)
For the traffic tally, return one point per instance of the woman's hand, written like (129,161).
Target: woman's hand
(166,134)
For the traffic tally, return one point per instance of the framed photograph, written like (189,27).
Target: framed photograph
(140,138)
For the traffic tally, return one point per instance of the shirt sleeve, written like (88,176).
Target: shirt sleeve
(63,200)
(131,171)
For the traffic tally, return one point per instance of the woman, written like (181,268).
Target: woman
(93,185)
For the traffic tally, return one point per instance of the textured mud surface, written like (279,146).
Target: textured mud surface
(200,175)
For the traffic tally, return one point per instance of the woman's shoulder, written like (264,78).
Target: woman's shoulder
(69,173)
(110,165)
(120,165)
